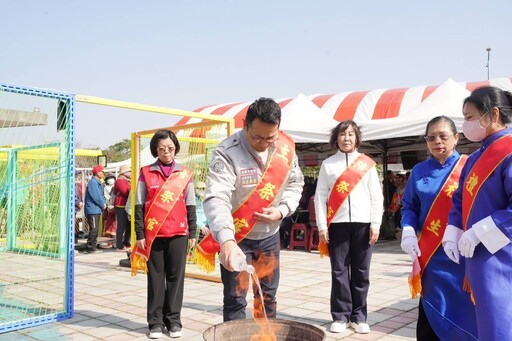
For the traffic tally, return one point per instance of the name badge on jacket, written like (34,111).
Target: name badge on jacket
(248,176)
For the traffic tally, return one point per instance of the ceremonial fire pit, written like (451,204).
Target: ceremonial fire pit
(244,330)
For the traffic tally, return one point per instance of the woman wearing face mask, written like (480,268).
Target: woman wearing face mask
(480,222)
(109,216)
(445,311)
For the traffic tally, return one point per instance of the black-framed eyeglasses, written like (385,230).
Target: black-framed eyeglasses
(442,137)
(259,139)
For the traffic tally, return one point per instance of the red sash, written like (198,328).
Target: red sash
(160,208)
(342,188)
(262,196)
(435,223)
(396,201)
(482,169)
(490,159)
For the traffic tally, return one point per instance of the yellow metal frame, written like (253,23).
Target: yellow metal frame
(135,167)
(135,143)
(47,153)
(155,109)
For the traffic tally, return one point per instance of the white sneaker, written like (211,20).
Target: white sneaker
(338,327)
(155,332)
(361,327)
(175,331)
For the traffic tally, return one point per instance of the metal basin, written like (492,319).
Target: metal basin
(243,330)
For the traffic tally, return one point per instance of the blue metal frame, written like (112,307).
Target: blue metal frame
(69,154)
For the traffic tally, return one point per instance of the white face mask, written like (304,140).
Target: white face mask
(110,181)
(473,130)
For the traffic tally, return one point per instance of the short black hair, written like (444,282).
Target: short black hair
(162,135)
(340,128)
(264,109)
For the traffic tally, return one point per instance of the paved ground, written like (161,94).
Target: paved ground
(111,305)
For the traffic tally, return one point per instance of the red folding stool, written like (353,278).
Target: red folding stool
(294,234)
(314,238)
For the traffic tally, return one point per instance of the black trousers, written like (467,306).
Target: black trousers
(261,254)
(93,221)
(424,331)
(284,232)
(166,279)
(350,255)
(123,230)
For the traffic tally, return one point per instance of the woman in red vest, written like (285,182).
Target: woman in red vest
(348,206)
(165,220)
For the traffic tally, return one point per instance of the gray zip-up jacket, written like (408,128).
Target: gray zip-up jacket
(234,172)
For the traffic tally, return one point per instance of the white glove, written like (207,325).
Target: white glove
(451,250)
(467,243)
(410,242)
(450,239)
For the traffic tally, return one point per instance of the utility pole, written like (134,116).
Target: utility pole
(488,62)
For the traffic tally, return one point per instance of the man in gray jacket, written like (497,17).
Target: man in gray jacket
(254,181)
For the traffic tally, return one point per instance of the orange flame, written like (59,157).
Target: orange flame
(265,267)
(265,333)
(242,283)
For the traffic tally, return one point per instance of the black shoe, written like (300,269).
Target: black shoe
(89,250)
(175,331)
(155,332)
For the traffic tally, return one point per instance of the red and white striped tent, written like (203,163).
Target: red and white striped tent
(388,103)
(300,118)
(391,119)
(401,126)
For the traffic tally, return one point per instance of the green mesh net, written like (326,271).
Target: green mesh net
(36,163)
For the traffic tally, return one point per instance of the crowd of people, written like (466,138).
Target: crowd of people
(104,202)
(114,221)
(454,213)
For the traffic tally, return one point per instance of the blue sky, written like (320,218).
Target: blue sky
(187,54)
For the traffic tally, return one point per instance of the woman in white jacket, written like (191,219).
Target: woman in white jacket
(348,206)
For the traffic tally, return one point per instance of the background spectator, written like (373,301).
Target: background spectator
(122,191)
(109,216)
(94,204)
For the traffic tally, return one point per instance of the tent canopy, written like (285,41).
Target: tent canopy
(300,118)
(388,103)
(390,119)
